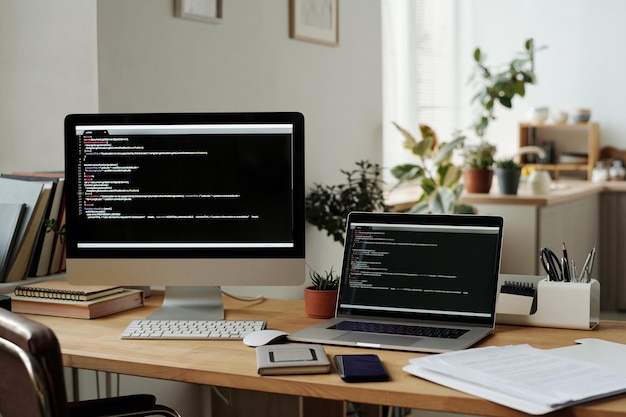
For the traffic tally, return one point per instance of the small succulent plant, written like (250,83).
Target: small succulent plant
(326,281)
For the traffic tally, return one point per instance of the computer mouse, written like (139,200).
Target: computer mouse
(264,337)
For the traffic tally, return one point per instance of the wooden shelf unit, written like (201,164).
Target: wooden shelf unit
(571,137)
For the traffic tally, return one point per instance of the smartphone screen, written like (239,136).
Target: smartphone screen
(361,368)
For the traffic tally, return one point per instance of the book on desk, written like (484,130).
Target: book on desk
(11,217)
(89,309)
(292,359)
(36,196)
(39,264)
(29,247)
(62,290)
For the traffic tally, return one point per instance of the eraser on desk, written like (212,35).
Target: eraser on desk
(5,302)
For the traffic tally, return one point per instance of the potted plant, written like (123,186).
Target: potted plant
(508,173)
(434,171)
(478,162)
(320,298)
(508,170)
(501,85)
(327,206)
(495,85)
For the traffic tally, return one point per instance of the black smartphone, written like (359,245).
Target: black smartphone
(361,368)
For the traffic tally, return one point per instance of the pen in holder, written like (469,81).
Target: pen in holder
(569,305)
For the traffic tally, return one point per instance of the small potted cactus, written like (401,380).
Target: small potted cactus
(320,298)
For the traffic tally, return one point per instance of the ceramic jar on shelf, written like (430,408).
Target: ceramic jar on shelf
(617,171)
(539,182)
(600,172)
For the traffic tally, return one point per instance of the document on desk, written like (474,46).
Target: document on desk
(521,377)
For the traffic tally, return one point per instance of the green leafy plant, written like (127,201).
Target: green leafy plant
(52,225)
(479,156)
(508,172)
(434,171)
(324,282)
(508,163)
(501,85)
(327,206)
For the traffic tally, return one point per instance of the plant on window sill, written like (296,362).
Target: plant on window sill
(494,85)
(501,85)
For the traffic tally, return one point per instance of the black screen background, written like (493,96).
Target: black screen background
(256,167)
(424,271)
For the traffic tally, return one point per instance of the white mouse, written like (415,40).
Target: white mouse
(264,337)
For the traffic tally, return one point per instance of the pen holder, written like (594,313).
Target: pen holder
(568,305)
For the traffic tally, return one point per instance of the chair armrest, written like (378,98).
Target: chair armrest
(127,405)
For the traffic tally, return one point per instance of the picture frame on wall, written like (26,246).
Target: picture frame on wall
(209,11)
(314,21)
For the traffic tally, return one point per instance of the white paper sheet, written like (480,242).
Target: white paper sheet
(520,377)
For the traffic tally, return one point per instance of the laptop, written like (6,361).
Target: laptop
(414,282)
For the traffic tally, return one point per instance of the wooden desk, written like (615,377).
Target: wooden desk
(95,344)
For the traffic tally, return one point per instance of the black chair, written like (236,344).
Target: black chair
(32,382)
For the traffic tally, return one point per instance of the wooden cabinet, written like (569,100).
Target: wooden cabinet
(572,139)
(528,228)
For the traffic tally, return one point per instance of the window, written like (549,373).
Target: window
(426,64)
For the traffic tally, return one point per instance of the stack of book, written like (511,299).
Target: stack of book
(60,298)
(29,200)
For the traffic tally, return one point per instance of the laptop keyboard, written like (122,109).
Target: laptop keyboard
(400,329)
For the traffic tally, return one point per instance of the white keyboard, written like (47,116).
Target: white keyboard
(191,329)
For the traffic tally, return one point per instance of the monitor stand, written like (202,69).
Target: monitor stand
(190,303)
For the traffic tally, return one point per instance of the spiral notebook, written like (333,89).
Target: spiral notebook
(63,290)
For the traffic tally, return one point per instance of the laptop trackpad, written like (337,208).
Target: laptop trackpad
(377,338)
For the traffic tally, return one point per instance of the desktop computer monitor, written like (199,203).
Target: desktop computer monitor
(189,201)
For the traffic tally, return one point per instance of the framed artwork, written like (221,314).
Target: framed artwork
(314,21)
(203,10)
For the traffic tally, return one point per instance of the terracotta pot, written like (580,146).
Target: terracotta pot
(477,180)
(320,304)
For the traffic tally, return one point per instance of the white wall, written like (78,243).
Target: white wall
(150,61)
(55,56)
(582,66)
(48,68)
